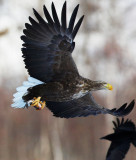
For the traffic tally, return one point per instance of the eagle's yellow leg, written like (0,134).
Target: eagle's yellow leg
(38,104)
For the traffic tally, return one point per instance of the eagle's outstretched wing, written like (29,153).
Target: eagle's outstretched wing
(48,45)
(85,106)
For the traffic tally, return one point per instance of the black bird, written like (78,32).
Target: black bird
(124,134)
(54,78)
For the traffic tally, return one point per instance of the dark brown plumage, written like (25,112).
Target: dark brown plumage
(47,53)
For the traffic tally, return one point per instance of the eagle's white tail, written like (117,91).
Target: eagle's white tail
(18,102)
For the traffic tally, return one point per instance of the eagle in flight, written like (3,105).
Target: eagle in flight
(124,134)
(54,79)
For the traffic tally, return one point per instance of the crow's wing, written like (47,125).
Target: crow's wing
(48,45)
(85,106)
(123,126)
(117,150)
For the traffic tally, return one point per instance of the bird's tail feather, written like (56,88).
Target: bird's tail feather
(18,102)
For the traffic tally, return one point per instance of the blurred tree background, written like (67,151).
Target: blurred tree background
(105,50)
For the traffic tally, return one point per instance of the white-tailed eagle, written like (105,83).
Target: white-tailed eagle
(54,78)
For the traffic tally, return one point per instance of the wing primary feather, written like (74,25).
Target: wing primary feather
(44,27)
(28,26)
(28,34)
(123,110)
(129,108)
(72,19)
(115,125)
(63,16)
(32,29)
(55,16)
(47,15)
(77,27)
(40,19)
(34,23)
(118,122)
(122,121)
(122,107)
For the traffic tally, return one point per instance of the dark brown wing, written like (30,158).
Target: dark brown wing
(48,45)
(85,106)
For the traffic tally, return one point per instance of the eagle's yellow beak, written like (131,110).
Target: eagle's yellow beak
(108,86)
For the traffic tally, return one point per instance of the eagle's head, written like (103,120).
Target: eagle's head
(96,85)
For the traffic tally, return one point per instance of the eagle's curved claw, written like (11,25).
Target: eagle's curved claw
(38,104)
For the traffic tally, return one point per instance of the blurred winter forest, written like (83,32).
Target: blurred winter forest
(105,50)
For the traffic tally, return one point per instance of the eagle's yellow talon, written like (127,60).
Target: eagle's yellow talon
(38,104)
(35,101)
